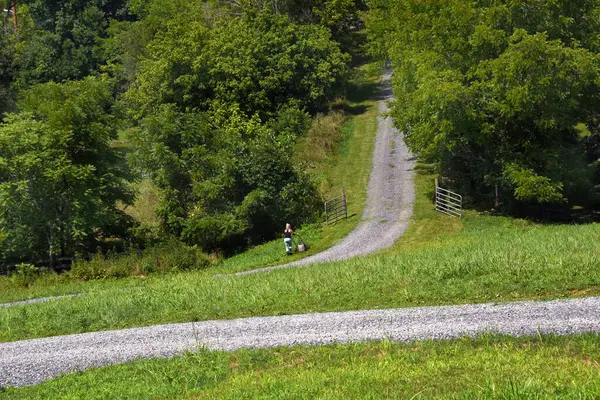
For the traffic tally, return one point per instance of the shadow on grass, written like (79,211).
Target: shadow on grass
(542,213)
(350,110)
(359,92)
(557,215)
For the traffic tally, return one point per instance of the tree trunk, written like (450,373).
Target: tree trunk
(15,19)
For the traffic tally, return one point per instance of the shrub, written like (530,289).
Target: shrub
(25,274)
(171,256)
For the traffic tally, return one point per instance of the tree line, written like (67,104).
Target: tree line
(498,93)
(212,96)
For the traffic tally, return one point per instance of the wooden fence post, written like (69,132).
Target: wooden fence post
(497,199)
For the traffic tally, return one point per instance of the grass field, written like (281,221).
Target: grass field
(482,368)
(481,258)
(439,261)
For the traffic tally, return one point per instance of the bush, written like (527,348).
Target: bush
(25,275)
(171,256)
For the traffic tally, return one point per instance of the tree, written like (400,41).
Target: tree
(340,16)
(7,67)
(61,40)
(219,109)
(255,64)
(262,63)
(492,91)
(59,179)
(224,186)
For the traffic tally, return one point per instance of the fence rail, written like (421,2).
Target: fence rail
(336,209)
(448,202)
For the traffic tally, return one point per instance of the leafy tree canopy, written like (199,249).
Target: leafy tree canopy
(59,179)
(492,90)
(253,64)
(214,93)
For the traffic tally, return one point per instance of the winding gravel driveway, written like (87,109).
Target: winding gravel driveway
(34,361)
(390,195)
(390,198)
(389,207)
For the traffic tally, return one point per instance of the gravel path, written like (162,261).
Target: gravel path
(40,300)
(34,361)
(389,206)
(390,195)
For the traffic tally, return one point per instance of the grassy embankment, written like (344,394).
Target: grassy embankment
(439,261)
(482,368)
(481,258)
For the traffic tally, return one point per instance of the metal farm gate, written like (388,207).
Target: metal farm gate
(336,209)
(447,202)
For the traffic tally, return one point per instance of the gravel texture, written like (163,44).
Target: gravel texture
(33,361)
(390,195)
(39,300)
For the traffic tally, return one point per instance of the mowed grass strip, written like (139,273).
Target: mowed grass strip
(491,259)
(482,368)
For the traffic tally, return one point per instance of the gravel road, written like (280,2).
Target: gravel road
(39,300)
(34,361)
(389,207)
(390,195)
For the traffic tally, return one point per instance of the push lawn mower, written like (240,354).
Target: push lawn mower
(300,245)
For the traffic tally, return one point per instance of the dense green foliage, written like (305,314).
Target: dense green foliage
(338,15)
(7,55)
(492,91)
(59,180)
(214,95)
(61,40)
(210,99)
(219,113)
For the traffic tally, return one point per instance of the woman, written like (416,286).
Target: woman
(287,238)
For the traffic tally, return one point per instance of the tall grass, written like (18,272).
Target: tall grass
(171,256)
(103,271)
(322,139)
(484,368)
(144,209)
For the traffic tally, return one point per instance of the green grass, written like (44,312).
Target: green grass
(484,258)
(425,231)
(273,252)
(428,228)
(145,206)
(483,368)
(14,289)
(440,260)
